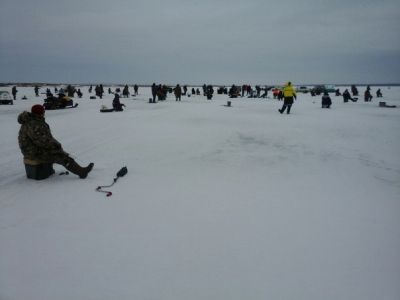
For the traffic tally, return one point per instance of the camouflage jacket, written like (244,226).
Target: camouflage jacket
(35,139)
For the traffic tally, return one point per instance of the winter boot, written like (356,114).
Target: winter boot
(288,109)
(73,167)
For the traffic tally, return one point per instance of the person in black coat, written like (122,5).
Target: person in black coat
(367,95)
(326,101)
(234,92)
(354,90)
(117,105)
(347,96)
(280,95)
(36,91)
(178,92)
(125,91)
(209,92)
(14,92)
(154,89)
(79,93)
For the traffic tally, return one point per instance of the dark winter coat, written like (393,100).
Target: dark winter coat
(367,96)
(346,96)
(36,141)
(117,105)
(178,91)
(326,101)
(354,90)
(125,91)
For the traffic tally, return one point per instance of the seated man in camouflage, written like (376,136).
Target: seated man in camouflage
(37,143)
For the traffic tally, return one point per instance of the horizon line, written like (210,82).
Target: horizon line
(194,85)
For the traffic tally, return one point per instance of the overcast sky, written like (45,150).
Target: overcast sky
(196,42)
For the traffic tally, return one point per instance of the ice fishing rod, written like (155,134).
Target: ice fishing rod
(122,172)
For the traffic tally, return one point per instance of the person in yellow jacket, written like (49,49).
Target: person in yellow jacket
(289,94)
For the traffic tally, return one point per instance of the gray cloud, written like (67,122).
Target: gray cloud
(200,41)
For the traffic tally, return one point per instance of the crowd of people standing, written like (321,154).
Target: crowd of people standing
(159,92)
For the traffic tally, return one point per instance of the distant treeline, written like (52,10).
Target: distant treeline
(28,84)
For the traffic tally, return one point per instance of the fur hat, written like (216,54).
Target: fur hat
(37,109)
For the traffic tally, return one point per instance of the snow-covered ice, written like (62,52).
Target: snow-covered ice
(218,203)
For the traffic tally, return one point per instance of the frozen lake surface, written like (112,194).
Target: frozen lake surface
(218,203)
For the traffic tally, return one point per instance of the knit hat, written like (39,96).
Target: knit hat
(37,109)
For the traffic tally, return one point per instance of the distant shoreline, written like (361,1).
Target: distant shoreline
(3,84)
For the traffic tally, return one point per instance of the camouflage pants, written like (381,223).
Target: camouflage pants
(62,159)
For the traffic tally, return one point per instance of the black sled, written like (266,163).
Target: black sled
(105,110)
